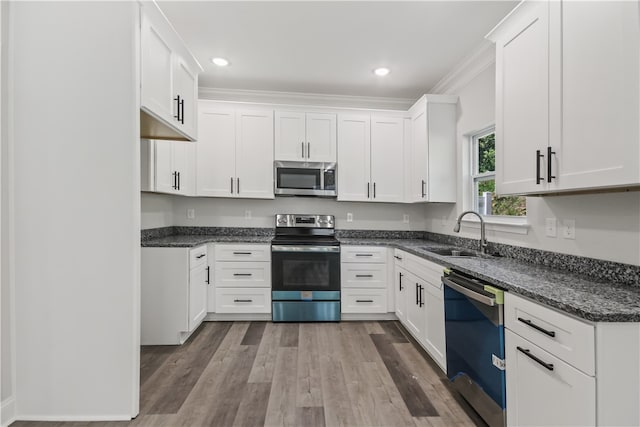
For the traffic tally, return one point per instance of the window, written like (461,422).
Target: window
(483,179)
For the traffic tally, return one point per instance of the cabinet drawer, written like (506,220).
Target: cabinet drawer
(242,252)
(243,274)
(243,300)
(542,390)
(364,300)
(564,337)
(363,275)
(198,256)
(399,258)
(363,254)
(424,269)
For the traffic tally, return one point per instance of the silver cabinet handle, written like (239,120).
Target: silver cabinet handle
(364,275)
(364,254)
(242,274)
(231,184)
(302,144)
(308,150)
(364,300)
(242,300)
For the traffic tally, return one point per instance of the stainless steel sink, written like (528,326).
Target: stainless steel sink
(452,252)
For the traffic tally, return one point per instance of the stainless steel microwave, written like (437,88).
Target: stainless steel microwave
(305,179)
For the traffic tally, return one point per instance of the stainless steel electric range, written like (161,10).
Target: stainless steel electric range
(305,269)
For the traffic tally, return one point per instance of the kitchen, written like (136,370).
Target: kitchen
(85,288)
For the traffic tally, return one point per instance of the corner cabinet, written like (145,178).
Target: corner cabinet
(305,137)
(169,80)
(567,97)
(371,158)
(234,152)
(432,158)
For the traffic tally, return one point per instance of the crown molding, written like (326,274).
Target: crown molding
(306,99)
(468,69)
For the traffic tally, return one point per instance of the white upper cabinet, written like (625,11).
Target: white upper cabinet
(432,158)
(567,97)
(169,80)
(168,167)
(309,137)
(370,158)
(235,152)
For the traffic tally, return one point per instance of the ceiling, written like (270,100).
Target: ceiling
(329,47)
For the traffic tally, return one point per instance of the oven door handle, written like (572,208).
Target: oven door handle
(317,249)
(483,299)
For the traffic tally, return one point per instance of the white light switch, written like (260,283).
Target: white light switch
(550,227)
(349,217)
(569,229)
(405,218)
(191,213)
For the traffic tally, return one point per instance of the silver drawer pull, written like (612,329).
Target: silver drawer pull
(242,300)
(364,275)
(243,274)
(364,254)
(242,253)
(364,300)
(201,255)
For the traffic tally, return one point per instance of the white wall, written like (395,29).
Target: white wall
(77,209)
(157,211)
(231,212)
(607,225)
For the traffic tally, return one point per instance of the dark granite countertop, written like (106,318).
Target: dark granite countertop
(590,299)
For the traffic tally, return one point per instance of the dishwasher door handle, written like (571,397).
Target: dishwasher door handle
(483,299)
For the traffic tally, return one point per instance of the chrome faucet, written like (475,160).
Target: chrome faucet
(483,237)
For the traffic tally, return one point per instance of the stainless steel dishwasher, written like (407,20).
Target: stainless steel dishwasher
(474,325)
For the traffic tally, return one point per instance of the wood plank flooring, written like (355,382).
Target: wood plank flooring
(309,374)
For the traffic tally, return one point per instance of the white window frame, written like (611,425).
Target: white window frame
(502,223)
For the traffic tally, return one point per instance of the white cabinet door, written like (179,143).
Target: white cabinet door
(321,137)
(254,154)
(419,156)
(179,165)
(166,178)
(600,96)
(522,100)
(290,143)
(354,168)
(216,156)
(415,311)
(546,391)
(401,294)
(211,264)
(434,330)
(185,85)
(387,159)
(197,296)
(156,68)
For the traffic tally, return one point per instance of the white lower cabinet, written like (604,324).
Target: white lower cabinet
(242,278)
(363,278)
(542,390)
(420,303)
(174,285)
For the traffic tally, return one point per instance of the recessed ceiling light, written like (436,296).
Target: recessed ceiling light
(220,62)
(382,71)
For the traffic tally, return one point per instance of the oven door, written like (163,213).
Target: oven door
(305,268)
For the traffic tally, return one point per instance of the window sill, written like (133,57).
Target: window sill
(500,224)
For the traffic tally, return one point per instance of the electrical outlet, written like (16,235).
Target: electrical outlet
(191,213)
(405,218)
(247,214)
(349,217)
(550,225)
(569,229)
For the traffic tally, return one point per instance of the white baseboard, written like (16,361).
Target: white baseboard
(368,317)
(73,418)
(237,317)
(8,411)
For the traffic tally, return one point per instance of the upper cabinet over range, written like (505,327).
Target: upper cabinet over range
(169,80)
(567,97)
(306,137)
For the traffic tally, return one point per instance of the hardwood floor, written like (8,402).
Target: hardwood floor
(310,374)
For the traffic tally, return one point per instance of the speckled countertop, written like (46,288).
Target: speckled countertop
(590,299)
